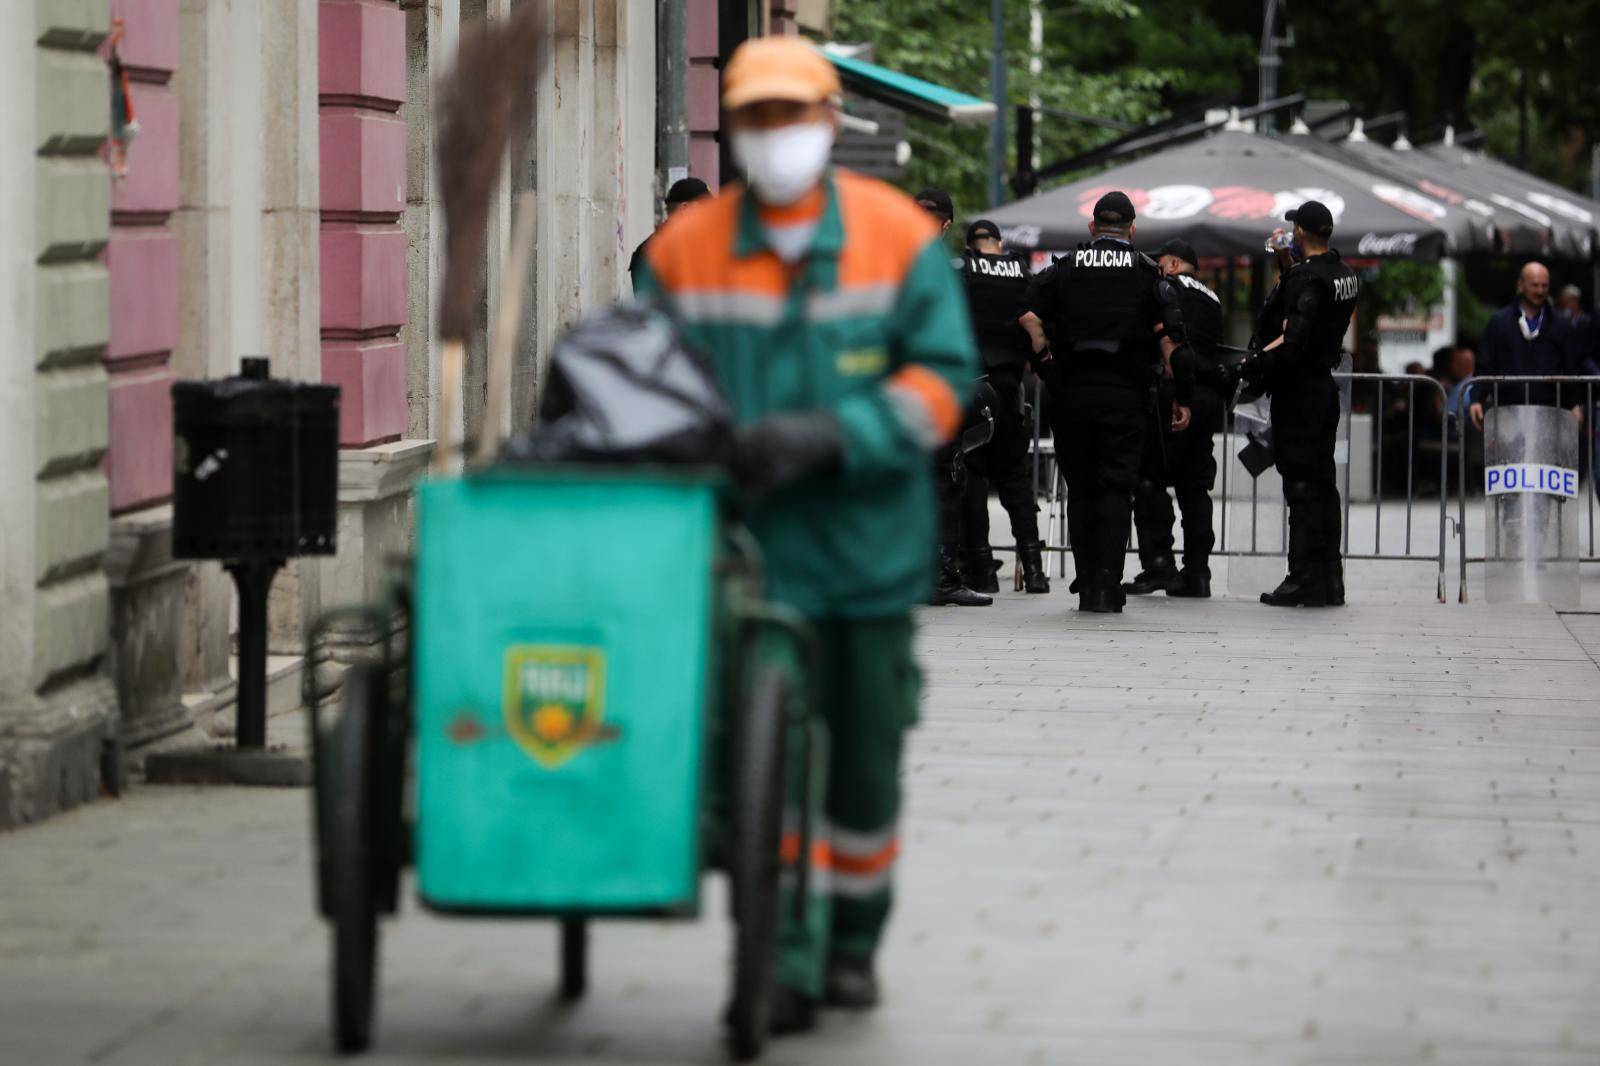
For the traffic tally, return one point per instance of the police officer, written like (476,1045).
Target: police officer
(1299,336)
(684,191)
(1184,460)
(996,282)
(951,586)
(1107,302)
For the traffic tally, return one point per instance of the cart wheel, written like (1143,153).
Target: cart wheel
(754,864)
(574,958)
(351,867)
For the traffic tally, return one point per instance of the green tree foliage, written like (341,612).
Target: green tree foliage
(948,42)
(1468,63)
(1397,287)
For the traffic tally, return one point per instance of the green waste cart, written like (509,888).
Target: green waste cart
(574,704)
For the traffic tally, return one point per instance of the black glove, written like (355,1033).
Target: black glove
(1256,370)
(779,450)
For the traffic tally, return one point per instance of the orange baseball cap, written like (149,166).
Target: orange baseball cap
(778,68)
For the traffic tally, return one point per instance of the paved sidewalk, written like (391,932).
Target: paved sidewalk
(1192,833)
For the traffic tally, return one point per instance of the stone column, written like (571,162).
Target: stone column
(589,134)
(565,158)
(218,224)
(432,29)
(58,712)
(637,51)
(288,274)
(475,386)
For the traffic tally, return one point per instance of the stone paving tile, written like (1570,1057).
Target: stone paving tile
(1195,833)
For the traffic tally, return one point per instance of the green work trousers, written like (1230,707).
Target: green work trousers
(867,688)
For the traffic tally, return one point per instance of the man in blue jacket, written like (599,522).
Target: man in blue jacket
(1528,337)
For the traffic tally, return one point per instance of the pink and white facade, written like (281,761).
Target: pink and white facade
(279,200)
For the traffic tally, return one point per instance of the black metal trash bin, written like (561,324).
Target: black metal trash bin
(255,483)
(256,467)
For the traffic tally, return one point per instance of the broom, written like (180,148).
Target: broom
(487,96)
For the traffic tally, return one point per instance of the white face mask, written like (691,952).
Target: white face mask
(783,164)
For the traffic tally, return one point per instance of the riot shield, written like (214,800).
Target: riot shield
(1533,498)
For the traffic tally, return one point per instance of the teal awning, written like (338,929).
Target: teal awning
(909,94)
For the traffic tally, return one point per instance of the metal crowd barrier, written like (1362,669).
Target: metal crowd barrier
(1049,488)
(1511,386)
(1409,550)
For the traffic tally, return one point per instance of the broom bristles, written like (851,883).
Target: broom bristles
(487,96)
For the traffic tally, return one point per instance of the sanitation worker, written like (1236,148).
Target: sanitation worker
(839,332)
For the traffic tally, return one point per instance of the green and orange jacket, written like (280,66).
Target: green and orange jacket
(871,325)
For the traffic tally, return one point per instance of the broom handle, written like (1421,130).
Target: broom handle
(508,317)
(449,388)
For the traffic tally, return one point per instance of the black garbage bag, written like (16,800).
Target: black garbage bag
(625,388)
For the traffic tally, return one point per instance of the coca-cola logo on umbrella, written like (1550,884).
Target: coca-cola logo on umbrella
(1387,244)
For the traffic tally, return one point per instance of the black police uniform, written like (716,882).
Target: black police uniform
(1102,305)
(952,587)
(1184,460)
(1310,308)
(996,286)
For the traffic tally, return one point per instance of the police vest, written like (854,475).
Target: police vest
(1202,316)
(1107,310)
(996,285)
(1337,287)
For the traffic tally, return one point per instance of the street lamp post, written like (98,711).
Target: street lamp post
(1268,61)
(997,86)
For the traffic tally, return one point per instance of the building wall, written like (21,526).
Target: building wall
(362,150)
(57,711)
(142,259)
(588,139)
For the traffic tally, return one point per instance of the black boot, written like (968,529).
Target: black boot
(1191,584)
(791,1011)
(851,983)
(1033,579)
(1159,573)
(1333,581)
(948,591)
(1101,595)
(980,572)
(1297,590)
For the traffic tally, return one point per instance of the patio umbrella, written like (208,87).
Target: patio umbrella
(1570,218)
(1225,193)
(1488,227)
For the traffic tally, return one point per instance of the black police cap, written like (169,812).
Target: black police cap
(937,201)
(1182,249)
(1114,208)
(687,190)
(1312,216)
(981,228)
